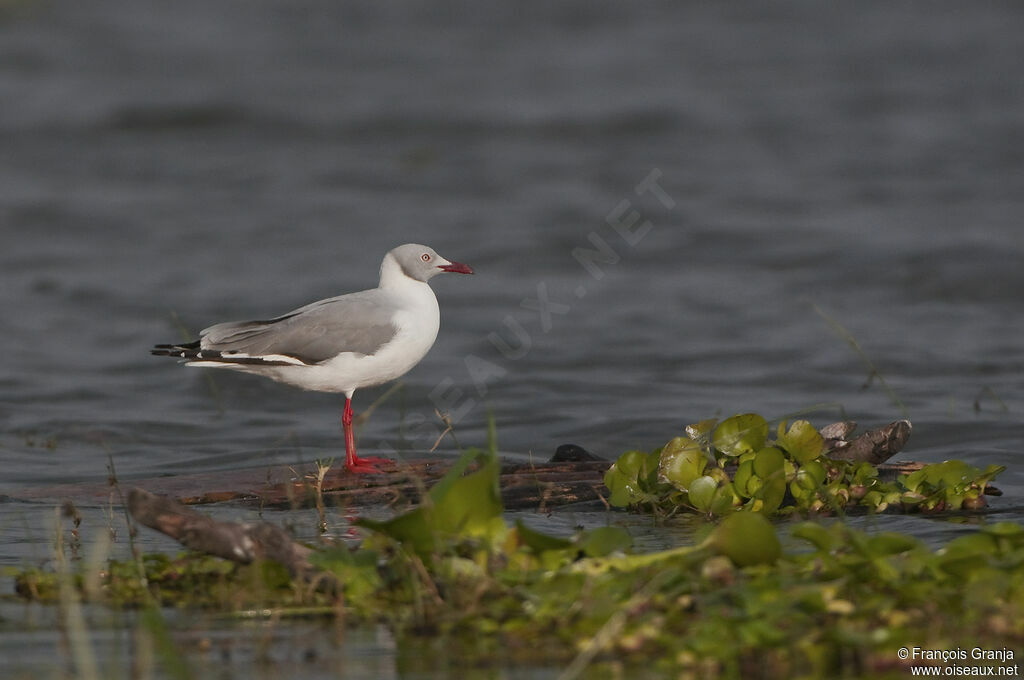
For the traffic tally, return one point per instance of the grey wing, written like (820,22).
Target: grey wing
(314,333)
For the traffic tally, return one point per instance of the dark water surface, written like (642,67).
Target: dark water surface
(164,166)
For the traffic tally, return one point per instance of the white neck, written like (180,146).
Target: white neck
(414,296)
(391,274)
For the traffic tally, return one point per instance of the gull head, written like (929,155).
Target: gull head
(423,263)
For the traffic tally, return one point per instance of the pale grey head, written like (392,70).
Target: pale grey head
(422,263)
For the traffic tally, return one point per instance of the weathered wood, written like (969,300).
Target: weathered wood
(541,486)
(874,446)
(524,486)
(238,542)
(840,431)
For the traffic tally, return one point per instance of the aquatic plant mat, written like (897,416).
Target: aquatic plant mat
(834,602)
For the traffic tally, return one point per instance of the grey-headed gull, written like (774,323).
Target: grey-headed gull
(339,344)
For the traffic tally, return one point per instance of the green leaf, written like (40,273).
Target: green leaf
(802,441)
(623,491)
(464,507)
(630,463)
(622,479)
(682,461)
(746,539)
(890,543)
(808,480)
(816,471)
(724,500)
(701,432)
(771,495)
(702,493)
(1004,529)
(744,473)
(967,553)
(648,477)
(768,462)
(412,529)
(950,473)
(357,570)
(864,473)
(538,542)
(741,434)
(474,500)
(990,473)
(604,541)
(815,534)
(455,472)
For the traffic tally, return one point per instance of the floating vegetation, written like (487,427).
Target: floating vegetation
(722,467)
(839,603)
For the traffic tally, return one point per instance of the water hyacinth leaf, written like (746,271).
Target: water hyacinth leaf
(682,461)
(817,535)
(468,506)
(702,493)
(630,463)
(808,479)
(742,459)
(622,478)
(742,478)
(837,493)
(701,432)
(754,486)
(966,553)
(741,434)
(990,473)
(623,490)
(951,473)
(771,494)
(802,441)
(356,569)
(768,462)
(804,485)
(799,490)
(474,500)
(914,480)
(412,529)
(1004,529)
(863,473)
(890,543)
(538,542)
(953,500)
(455,472)
(649,469)
(911,498)
(604,541)
(746,539)
(816,470)
(724,500)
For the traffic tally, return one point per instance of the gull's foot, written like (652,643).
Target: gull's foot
(368,465)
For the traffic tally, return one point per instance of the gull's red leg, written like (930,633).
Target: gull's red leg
(354,463)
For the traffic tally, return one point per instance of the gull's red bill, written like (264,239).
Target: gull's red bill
(456,268)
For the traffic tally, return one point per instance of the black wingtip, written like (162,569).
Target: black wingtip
(180,350)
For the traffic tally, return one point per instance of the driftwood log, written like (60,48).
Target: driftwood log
(235,541)
(874,446)
(573,475)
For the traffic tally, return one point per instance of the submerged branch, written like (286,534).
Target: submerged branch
(242,543)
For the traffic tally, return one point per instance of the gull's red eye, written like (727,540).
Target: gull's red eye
(425,257)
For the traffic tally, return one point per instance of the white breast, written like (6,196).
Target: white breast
(417,319)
